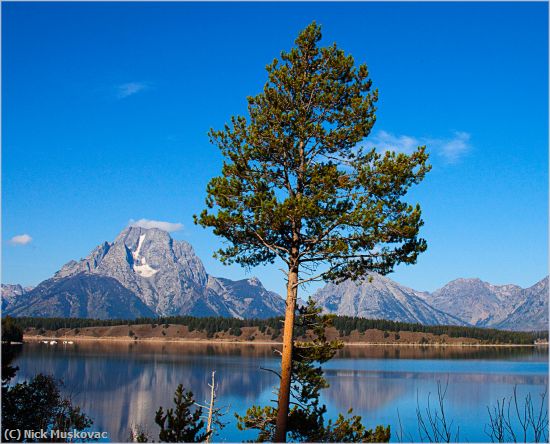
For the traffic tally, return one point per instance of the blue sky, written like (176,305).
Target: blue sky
(106,107)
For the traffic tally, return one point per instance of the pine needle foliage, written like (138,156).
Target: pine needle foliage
(306,422)
(297,184)
(181,423)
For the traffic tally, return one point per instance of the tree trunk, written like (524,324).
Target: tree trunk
(211,408)
(286,360)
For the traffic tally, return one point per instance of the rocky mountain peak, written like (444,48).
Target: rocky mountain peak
(167,276)
(10,292)
(477,302)
(462,282)
(541,285)
(130,235)
(254,281)
(378,297)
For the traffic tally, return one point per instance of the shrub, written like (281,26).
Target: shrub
(11,332)
(38,405)
(180,424)
(235,331)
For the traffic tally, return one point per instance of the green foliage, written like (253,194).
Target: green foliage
(306,421)
(9,352)
(139,434)
(296,183)
(348,324)
(180,424)
(37,404)
(352,430)
(235,331)
(11,331)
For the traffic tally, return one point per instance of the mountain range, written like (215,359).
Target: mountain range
(468,302)
(146,273)
(143,272)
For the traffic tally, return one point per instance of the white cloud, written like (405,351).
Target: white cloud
(390,142)
(21,239)
(453,149)
(161,225)
(450,149)
(129,89)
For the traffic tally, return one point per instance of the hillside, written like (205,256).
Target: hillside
(349,330)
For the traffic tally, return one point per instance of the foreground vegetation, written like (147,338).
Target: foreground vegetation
(36,405)
(345,325)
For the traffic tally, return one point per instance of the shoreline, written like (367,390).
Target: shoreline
(34,338)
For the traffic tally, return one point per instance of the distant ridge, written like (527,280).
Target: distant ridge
(469,302)
(378,297)
(482,304)
(146,273)
(81,296)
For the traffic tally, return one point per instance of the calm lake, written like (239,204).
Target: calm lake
(120,384)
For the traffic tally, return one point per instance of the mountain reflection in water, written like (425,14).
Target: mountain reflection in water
(123,383)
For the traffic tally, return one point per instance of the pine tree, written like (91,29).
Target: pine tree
(180,424)
(298,187)
(306,421)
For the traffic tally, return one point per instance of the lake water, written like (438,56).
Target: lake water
(120,384)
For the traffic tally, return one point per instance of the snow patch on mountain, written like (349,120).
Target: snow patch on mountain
(141,266)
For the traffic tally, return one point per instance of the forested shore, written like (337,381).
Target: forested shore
(346,328)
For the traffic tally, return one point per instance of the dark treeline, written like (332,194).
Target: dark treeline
(210,325)
(346,324)
(273,326)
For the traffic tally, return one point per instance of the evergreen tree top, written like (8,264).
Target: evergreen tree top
(298,185)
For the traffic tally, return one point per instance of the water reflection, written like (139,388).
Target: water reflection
(120,384)
(373,390)
(443,352)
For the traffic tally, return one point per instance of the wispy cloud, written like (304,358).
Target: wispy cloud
(389,142)
(451,149)
(454,148)
(131,88)
(161,225)
(21,239)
